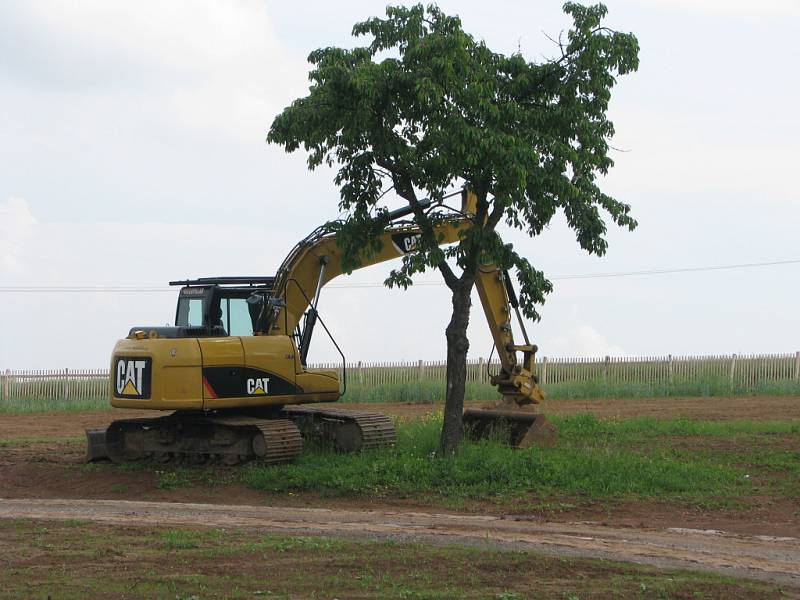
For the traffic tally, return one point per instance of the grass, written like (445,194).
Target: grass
(172,480)
(432,392)
(38,405)
(63,561)
(594,460)
(711,464)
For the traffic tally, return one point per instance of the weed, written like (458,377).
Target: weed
(76,522)
(171,480)
(180,539)
(305,543)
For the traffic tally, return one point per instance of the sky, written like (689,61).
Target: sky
(132,152)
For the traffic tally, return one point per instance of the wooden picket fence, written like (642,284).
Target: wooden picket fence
(739,370)
(744,370)
(54,383)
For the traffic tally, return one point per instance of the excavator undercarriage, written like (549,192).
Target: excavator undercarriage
(196,438)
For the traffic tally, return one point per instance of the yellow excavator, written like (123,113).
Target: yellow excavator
(233,370)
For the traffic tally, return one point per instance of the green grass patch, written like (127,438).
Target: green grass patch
(181,539)
(587,427)
(428,391)
(704,386)
(593,459)
(173,479)
(38,405)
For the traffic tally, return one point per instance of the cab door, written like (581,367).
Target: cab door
(271,378)
(223,371)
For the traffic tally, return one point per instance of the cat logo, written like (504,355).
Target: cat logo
(133,377)
(258,386)
(406,242)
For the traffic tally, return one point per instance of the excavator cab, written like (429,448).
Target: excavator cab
(223,305)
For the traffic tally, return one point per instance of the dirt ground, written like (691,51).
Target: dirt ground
(205,551)
(771,559)
(41,457)
(42,476)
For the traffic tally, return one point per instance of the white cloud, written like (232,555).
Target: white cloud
(16,226)
(580,341)
(207,65)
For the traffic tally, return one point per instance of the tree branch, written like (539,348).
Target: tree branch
(405,189)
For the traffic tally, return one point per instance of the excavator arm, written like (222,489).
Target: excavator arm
(515,419)
(516,381)
(317,260)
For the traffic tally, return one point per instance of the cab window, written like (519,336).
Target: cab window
(190,312)
(236,316)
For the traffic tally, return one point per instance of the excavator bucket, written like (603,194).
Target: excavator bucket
(516,428)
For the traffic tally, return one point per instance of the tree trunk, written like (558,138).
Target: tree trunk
(457,347)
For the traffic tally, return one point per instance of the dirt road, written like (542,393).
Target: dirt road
(774,559)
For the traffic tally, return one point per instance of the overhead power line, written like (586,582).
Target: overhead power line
(83,289)
(145,289)
(682,270)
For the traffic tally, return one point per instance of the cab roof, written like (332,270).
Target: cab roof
(261,282)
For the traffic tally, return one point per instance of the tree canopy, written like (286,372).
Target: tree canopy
(425,108)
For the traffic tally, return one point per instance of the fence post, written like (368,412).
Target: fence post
(605,369)
(544,370)
(797,365)
(7,377)
(733,369)
(360,374)
(670,369)
(66,384)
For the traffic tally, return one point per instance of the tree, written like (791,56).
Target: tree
(427,108)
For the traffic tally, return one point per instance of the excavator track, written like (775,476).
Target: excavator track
(346,430)
(229,439)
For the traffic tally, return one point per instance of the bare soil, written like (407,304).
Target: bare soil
(71,558)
